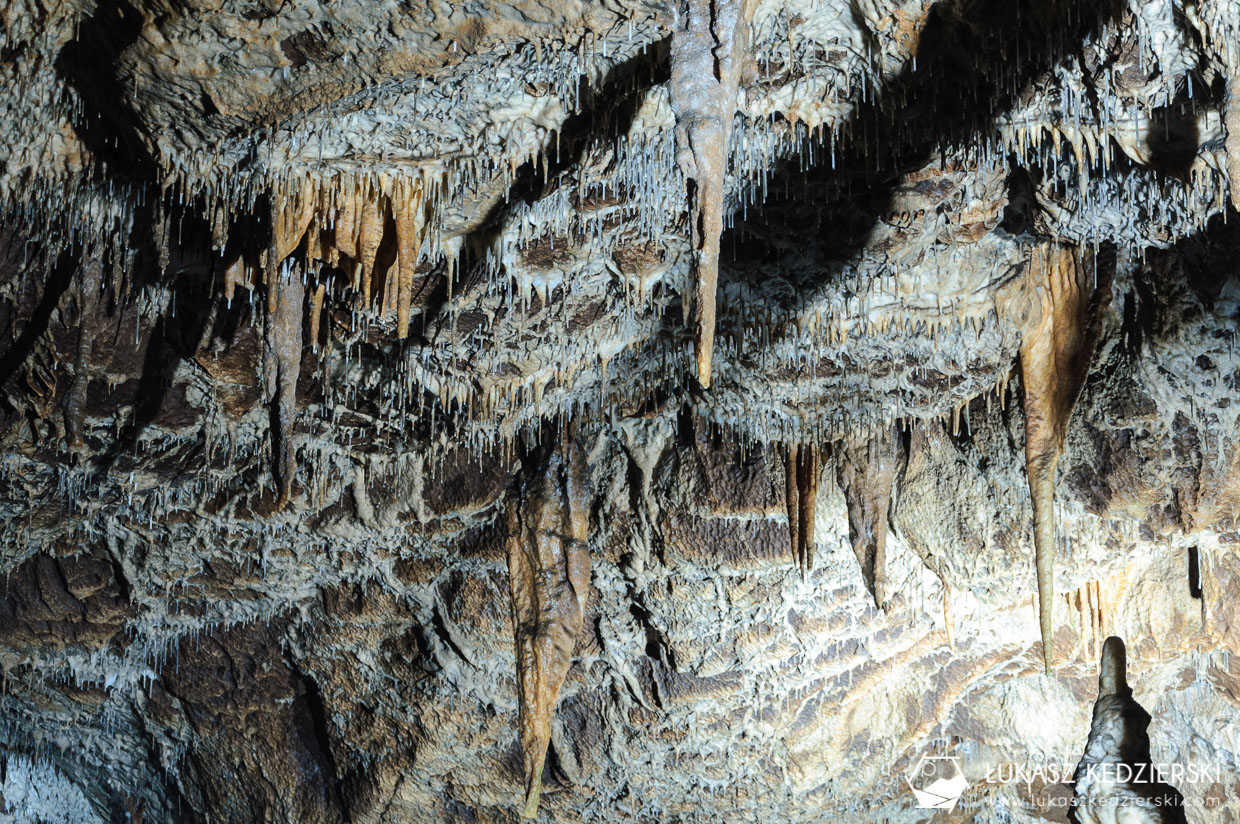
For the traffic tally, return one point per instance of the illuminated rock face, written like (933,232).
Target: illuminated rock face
(368,454)
(1117,778)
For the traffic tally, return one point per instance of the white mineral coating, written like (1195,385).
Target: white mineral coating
(35,792)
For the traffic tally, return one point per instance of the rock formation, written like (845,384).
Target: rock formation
(1117,780)
(866,474)
(1055,355)
(612,410)
(549,578)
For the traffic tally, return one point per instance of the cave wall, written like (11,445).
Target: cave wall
(352,659)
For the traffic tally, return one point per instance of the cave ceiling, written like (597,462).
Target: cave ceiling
(482,394)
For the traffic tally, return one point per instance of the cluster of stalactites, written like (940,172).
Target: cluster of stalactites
(1217,23)
(866,469)
(1071,288)
(371,227)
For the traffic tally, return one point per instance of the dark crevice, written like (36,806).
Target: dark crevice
(59,277)
(88,64)
(445,637)
(1194,572)
(656,647)
(176,334)
(322,740)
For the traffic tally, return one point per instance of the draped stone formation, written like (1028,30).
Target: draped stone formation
(1054,358)
(549,579)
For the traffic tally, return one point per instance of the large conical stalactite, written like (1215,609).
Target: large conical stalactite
(866,472)
(292,214)
(800,497)
(549,579)
(282,340)
(1231,123)
(1055,355)
(710,42)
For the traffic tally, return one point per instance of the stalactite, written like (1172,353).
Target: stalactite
(710,44)
(949,627)
(549,579)
(410,222)
(89,285)
(316,314)
(1098,617)
(866,472)
(1056,350)
(1205,587)
(792,502)
(345,230)
(234,273)
(800,499)
(292,213)
(281,368)
(1231,123)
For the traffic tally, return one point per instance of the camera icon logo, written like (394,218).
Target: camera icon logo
(937,782)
